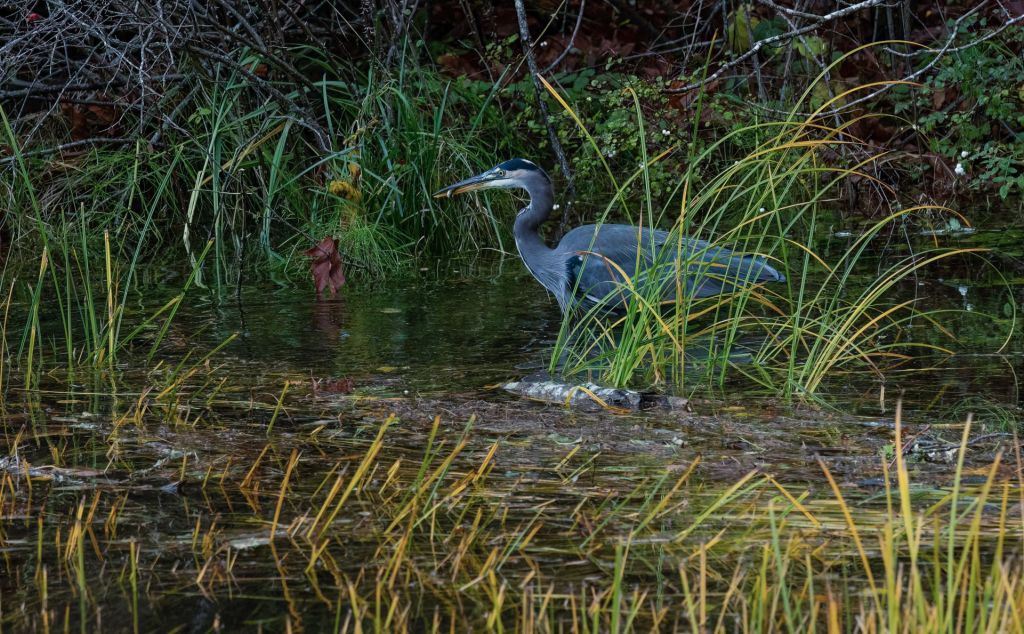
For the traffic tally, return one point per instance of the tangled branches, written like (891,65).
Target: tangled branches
(115,72)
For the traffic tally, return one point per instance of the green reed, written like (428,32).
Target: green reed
(773,203)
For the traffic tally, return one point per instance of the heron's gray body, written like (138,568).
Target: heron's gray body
(600,259)
(589,264)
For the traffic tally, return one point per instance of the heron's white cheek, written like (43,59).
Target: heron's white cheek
(498,184)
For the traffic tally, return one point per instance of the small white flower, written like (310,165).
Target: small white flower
(761,210)
(665,132)
(963,290)
(544,43)
(963,154)
(555,206)
(959,170)
(589,99)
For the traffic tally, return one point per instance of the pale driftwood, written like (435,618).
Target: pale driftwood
(587,397)
(590,397)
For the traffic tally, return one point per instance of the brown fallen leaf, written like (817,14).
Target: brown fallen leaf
(326,267)
(343,385)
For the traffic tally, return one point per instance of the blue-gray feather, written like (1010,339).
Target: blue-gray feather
(600,258)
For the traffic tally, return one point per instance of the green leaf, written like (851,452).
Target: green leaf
(741,25)
(810,47)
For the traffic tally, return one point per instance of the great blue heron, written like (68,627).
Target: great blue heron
(591,263)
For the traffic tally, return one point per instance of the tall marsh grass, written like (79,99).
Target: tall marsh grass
(837,311)
(249,175)
(234,189)
(74,316)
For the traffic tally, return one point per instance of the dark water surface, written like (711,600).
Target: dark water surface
(432,337)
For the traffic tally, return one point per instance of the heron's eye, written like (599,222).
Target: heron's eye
(501,172)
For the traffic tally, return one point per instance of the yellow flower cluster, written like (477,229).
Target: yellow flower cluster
(347,188)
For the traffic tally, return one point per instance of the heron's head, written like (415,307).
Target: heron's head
(512,174)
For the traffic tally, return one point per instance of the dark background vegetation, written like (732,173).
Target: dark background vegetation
(264,126)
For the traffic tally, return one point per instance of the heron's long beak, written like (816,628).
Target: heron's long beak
(480,181)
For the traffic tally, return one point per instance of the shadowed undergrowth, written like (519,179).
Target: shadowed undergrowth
(246,174)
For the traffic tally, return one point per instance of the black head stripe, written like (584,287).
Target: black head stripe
(518,164)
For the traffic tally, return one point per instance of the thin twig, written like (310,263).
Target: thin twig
(556,145)
(769,41)
(72,145)
(572,41)
(33,88)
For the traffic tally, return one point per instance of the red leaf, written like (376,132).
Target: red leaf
(326,267)
(32,17)
(343,385)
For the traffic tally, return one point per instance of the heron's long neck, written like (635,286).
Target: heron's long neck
(536,254)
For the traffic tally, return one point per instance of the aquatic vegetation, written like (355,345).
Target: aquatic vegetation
(74,315)
(991,414)
(413,524)
(189,488)
(773,203)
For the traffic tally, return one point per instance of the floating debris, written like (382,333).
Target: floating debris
(590,397)
(953,227)
(587,397)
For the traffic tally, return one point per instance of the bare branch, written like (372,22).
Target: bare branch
(572,40)
(782,37)
(556,145)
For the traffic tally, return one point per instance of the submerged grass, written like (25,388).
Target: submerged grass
(74,316)
(157,492)
(838,311)
(392,526)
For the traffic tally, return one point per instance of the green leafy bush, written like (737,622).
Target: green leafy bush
(976,118)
